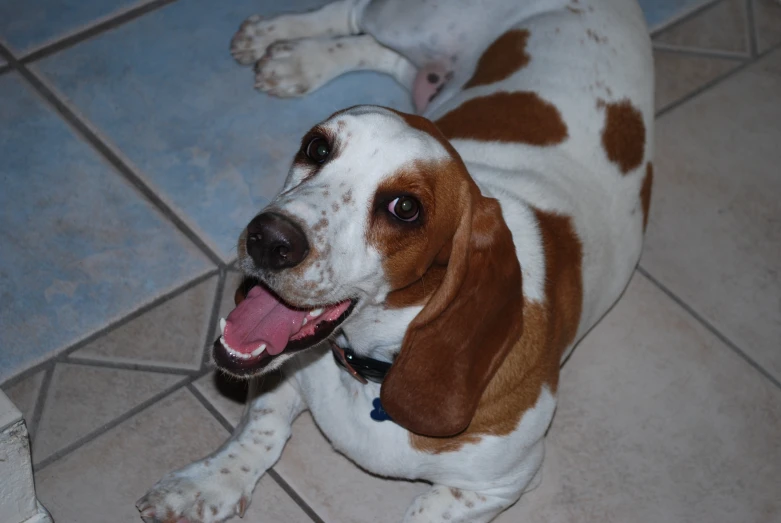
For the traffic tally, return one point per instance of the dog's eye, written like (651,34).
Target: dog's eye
(405,208)
(318,149)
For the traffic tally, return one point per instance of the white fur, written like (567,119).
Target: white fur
(575,178)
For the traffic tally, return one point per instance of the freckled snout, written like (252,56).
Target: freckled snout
(274,242)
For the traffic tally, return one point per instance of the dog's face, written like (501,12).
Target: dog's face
(379,213)
(371,199)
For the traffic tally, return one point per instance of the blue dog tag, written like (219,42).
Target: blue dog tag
(378,414)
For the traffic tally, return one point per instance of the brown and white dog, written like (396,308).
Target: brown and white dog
(454,258)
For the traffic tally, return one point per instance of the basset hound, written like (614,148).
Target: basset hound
(429,273)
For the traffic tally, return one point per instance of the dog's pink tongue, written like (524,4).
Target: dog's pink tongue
(261,318)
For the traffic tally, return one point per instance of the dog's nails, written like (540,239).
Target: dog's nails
(243,506)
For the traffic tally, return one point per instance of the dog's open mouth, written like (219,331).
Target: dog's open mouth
(262,327)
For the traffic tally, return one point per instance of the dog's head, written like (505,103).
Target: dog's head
(378,210)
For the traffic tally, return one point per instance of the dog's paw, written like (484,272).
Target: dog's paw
(252,39)
(193,495)
(294,68)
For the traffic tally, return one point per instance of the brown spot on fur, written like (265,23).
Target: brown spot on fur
(214,509)
(623,137)
(502,58)
(456,493)
(595,36)
(574,9)
(548,329)
(645,192)
(225,471)
(335,206)
(322,224)
(347,197)
(521,117)
(245,468)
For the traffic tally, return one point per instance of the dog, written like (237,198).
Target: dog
(430,272)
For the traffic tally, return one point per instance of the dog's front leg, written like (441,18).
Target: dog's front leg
(220,486)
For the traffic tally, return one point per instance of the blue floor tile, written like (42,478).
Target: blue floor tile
(659,13)
(80,246)
(27,24)
(165,90)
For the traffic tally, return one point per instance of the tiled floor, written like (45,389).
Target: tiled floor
(132,151)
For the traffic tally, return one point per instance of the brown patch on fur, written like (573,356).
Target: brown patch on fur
(645,192)
(419,291)
(575,10)
(521,117)
(502,58)
(347,197)
(623,137)
(335,206)
(548,329)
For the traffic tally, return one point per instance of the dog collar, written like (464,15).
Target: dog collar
(361,368)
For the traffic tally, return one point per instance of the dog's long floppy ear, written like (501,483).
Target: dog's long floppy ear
(455,345)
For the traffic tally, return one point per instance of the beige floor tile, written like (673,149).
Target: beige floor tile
(172,334)
(767,20)
(722,27)
(101,481)
(24,394)
(678,74)
(227,395)
(714,236)
(658,421)
(82,399)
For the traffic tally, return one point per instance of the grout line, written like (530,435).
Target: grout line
(702,52)
(114,21)
(92,138)
(122,365)
(710,327)
(43,391)
(211,408)
(751,28)
(712,83)
(213,319)
(303,505)
(687,16)
(38,467)
(63,354)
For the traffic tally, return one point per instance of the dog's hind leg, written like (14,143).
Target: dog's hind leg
(298,67)
(339,18)
(220,485)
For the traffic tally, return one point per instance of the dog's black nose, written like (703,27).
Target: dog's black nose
(275,242)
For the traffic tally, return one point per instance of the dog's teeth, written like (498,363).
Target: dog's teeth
(316,312)
(222,325)
(304,322)
(259,350)
(225,343)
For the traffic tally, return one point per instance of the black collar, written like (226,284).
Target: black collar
(359,367)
